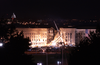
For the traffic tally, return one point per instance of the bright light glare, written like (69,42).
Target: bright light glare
(39,63)
(1,44)
(30,42)
(53,44)
(58,62)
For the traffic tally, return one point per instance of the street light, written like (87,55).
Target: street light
(58,62)
(1,44)
(39,63)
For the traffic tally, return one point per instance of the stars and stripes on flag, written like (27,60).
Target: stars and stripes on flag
(87,31)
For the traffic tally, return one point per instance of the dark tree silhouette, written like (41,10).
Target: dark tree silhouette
(14,46)
(87,52)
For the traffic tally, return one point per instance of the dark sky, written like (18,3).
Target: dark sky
(50,8)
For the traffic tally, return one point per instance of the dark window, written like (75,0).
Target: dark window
(70,35)
(65,33)
(66,40)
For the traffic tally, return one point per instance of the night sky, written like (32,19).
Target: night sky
(61,9)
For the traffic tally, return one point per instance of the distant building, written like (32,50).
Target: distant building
(13,16)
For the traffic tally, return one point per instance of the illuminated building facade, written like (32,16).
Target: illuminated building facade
(38,36)
(46,36)
(80,34)
(66,35)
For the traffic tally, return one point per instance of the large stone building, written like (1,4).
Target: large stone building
(47,36)
(41,34)
(80,34)
(38,36)
(66,35)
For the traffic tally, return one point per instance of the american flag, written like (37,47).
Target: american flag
(87,32)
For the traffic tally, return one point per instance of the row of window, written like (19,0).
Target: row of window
(34,33)
(68,40)
(68,34)
(37,36)
(38,40)
(37,43)
(68,37)
(79,35)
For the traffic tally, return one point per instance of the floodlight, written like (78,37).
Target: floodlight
(1,44)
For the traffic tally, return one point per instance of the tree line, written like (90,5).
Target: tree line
(14,46)
(87,52)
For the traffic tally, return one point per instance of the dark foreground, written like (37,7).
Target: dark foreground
(49,58)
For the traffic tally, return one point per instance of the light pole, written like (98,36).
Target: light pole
(46,58)
(62,55)
(63,45)
(1,44)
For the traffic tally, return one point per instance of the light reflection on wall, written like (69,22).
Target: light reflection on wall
(40,36)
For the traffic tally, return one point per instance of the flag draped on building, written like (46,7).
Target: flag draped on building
(87,32)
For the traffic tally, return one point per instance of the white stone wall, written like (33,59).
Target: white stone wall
(38,36)
(81,34)
(68,35)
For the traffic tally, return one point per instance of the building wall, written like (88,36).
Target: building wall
(38,36)
(44,36)
(81,34)
(68,35)
(51,35)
